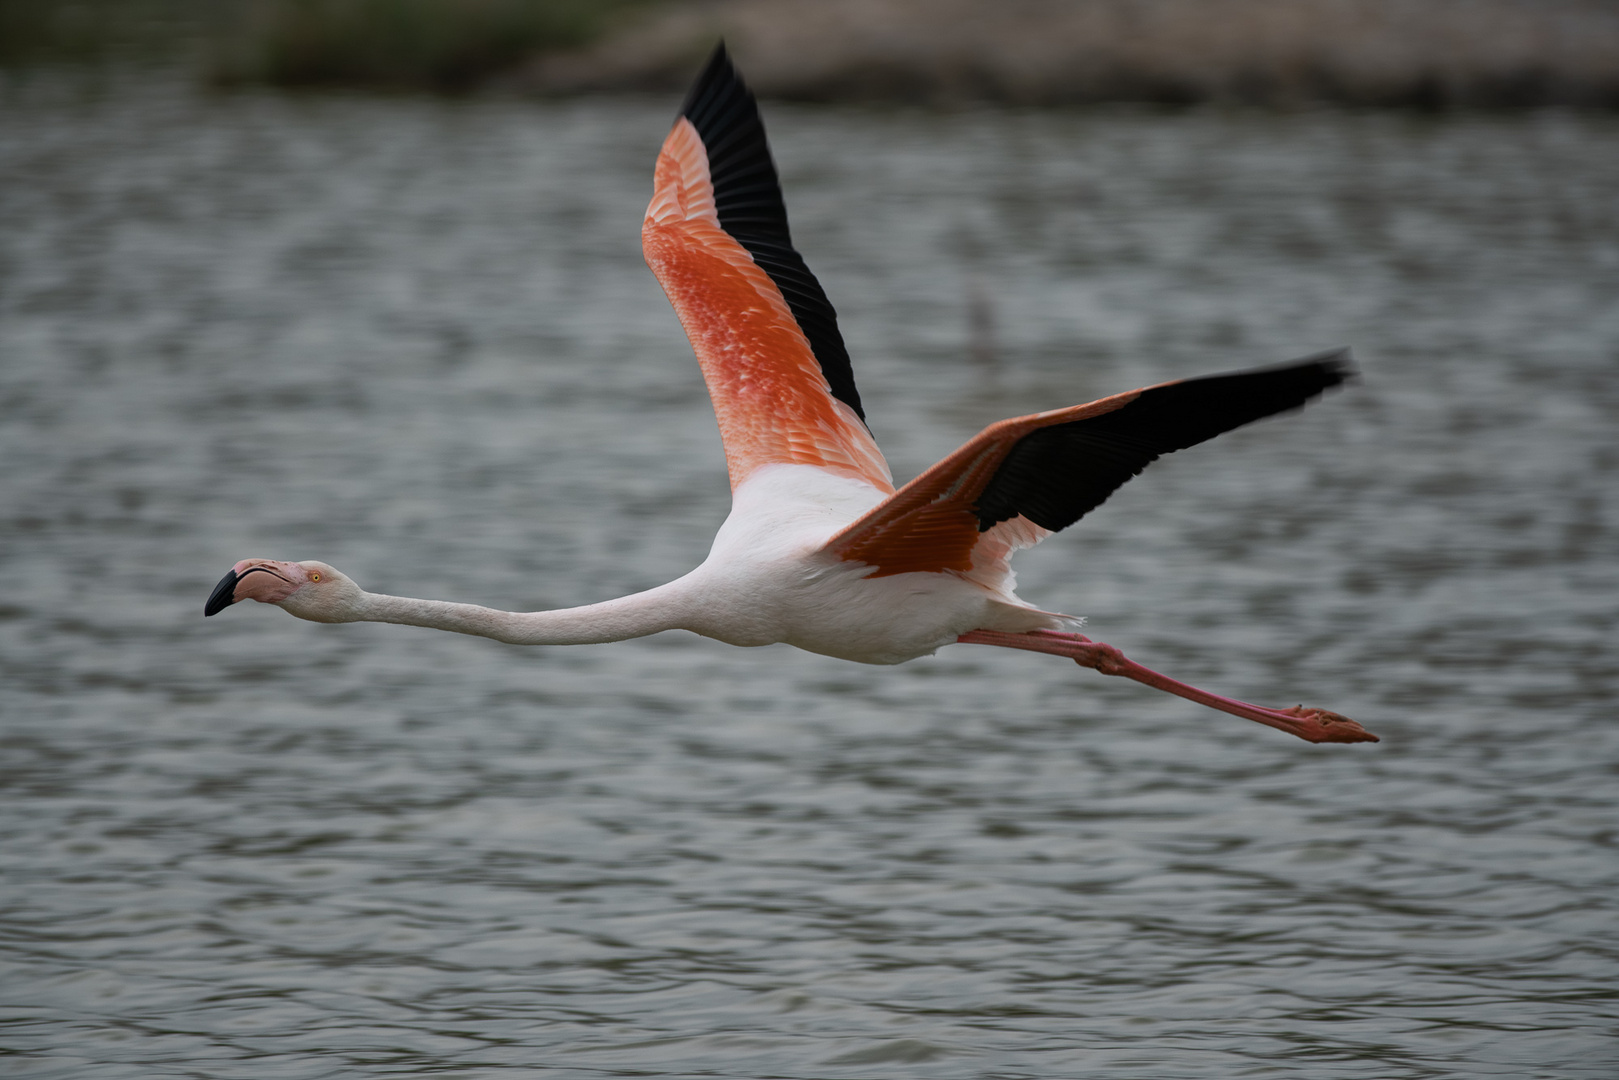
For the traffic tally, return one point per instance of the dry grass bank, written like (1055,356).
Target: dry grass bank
(1424,53)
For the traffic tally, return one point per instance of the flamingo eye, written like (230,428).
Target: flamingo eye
(314,576)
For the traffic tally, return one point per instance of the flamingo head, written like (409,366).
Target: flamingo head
(310,590)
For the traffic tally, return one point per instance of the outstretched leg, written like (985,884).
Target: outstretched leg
(1311,725)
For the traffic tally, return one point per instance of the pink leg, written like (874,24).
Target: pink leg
(1311,725)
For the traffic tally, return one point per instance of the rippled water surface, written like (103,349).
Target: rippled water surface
(417,340)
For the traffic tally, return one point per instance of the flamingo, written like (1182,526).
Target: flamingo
(820,550)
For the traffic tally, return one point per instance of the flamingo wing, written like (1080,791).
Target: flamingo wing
(1020,480)
(764,332)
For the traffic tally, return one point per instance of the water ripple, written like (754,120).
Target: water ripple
(405,337)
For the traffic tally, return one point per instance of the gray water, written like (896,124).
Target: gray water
(417,340)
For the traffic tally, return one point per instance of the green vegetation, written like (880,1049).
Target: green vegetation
(94,31)
(444,45)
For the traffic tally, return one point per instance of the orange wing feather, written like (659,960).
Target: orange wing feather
(931,524)
(773,403)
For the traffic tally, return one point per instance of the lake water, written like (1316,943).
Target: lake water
(416,339)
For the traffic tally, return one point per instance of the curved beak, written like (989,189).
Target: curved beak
(268,581)
(223,596)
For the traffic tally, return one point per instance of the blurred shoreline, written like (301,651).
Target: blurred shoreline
(1428,54)
(1379,53)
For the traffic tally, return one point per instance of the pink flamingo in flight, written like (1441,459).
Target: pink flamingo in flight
(820,550)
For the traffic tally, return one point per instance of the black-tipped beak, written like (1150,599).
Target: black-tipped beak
(223,596)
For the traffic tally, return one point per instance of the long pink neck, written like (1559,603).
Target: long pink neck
(650,612)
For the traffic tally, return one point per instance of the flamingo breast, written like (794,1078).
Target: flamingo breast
(767,580)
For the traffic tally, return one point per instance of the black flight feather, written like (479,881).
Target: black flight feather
(747,196)
(1056,475)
